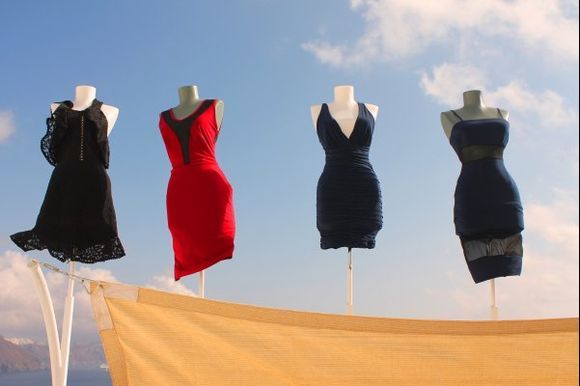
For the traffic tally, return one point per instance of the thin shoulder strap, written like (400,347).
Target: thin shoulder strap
(500,114)
(457,115)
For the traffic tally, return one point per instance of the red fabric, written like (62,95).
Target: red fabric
(200,209)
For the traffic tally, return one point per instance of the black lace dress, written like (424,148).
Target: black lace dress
(77,218)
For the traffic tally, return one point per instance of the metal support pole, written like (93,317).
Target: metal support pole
(349,278)
(59,351)
(494,308)
(202,284)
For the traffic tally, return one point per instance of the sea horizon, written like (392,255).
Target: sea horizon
(76,377)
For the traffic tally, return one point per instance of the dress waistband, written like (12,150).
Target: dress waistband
(351,157)
(479,152)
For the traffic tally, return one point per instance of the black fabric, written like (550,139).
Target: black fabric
(488,213)
(182,127)
(77,219)
(348,200)
(491,267)
(479,152)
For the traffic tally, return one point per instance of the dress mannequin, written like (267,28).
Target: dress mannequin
(346,112)
(176,123)
(343,109)
(189,101)
(473,108)
(84,96)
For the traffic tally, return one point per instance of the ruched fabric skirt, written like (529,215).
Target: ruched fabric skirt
(348,205)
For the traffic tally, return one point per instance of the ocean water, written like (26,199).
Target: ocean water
(42,378)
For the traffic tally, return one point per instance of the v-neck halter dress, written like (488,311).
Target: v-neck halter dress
(488,212)
(77,219)
(348,197)
(200,210)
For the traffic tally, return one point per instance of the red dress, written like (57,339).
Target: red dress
(200,209)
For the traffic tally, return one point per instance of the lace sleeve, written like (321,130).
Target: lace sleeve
(49,143)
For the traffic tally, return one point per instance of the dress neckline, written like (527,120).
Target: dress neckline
(69,105)
(172,114)
(480,120)
(360,107)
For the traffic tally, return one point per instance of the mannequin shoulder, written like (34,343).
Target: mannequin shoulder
(373,109)
(315,110)
(219,112)
(112,113)
(505,114)
(109,110)
(219,106)
(315,113)
(447,122)
(54,106)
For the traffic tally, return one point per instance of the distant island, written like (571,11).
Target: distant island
(22,355)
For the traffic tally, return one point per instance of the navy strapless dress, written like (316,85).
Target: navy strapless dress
(488,212)
(348,197)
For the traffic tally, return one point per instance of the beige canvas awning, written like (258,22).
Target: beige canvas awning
(153,338)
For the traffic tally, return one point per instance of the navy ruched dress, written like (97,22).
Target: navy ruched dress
(488,212)
(348,197)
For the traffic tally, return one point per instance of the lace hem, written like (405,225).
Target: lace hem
(112,249)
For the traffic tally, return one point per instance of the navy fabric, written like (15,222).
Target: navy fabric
(487,208)
(348,197)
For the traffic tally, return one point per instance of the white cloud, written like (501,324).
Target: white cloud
(548,106)
(402,28)
(556,223)
(7,127)
(167,283)
(20,312)
(19,305)
(449,80)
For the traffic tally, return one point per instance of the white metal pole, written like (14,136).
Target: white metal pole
(49,321)
(494,307)
(349,274)
(202,284)
(67,325)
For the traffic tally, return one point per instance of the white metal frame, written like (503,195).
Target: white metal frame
(59,349)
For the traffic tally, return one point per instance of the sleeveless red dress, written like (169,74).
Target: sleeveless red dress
(200,209)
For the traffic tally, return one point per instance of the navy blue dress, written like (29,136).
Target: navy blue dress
(348,196)
(488,212)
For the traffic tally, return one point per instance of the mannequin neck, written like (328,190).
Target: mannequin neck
(344,95)
(188,95)
(84,96)
(473,99)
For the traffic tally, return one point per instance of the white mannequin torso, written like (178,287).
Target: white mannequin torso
(344,109)
(189,101)
(473,108)
(84,96)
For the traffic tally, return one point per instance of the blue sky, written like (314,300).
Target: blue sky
(269,61)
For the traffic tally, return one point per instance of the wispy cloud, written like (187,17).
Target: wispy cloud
(19,305)
(448,80)
(20,309)
(397,29)
(167,283)
(7,127)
